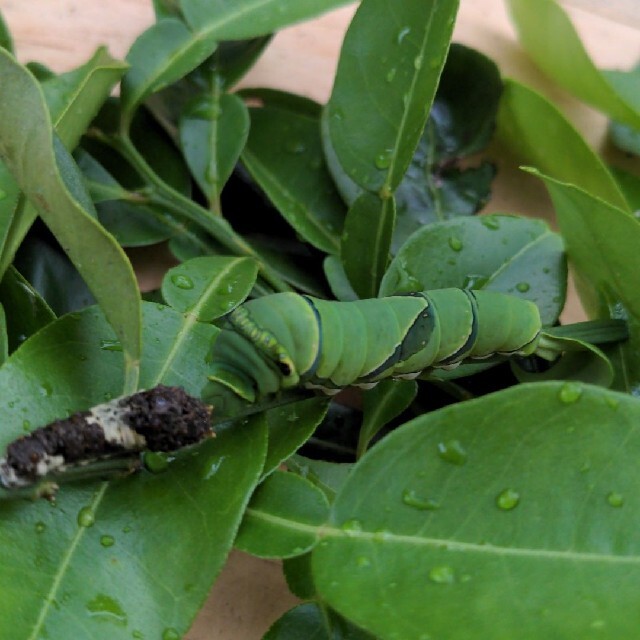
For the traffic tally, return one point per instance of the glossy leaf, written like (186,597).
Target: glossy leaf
(389,68)
(550,39)
(292,174)
(267,97)
(629,184)
(12,203)
(6,41)
(290,426)
(46,173)
(209,287)
(541,137)
(123,213)
(337,279)
(239,19)
(282,518)
(328,476)
(622,135)
(602,244)
(164,53)
(28,311)
(518,256)
(312,622)
(213,132)
(74,99)
(166,9)
(369,223)
(381,405)
(52,275)
(75,363)
(297,572)
(535,511)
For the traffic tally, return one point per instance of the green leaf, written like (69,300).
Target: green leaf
(141,523)
(29,312)
(629,184)
(74,99)
(166,9)
(239,19)
(164,53)
(6,41)
(602,243)
(550,39)
(45,172)
(389,68)
(290,426)
(297,572)
(381,405)
(369,223)
(313,622)
(209,287)
(4,336)
(123,213)
(622,135)
(531,539)
(328,476)
(284,100)
(541,136)
(508,254)
(282,518)
(292,174)
(213,132)
(337,279)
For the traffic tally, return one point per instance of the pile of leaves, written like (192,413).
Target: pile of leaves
(473,507)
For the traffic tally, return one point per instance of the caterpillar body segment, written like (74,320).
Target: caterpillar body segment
(287,340)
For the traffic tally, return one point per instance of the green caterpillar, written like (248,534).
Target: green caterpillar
(288,340)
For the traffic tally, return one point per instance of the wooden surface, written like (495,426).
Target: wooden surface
(250,593)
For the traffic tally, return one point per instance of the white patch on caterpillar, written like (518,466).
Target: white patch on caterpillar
(8,477)
(109,417)
(407,376)
(318,387)
(366,385)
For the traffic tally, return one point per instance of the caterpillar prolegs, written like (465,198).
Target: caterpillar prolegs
(287,340)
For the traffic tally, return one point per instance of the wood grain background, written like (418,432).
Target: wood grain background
(251,593)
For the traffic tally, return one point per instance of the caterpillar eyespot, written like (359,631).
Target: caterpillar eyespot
(159,419)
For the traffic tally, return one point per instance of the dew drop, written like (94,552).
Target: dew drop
(40,527)
(410,498)
(391,74)
(490,222)
(455,243)
(215,111)
(155,461)
(442,575)
(612,402)
(170,634)
(363,561)
(86,517)
(402,34)
(523,287)
(352,527)
(108,609)
(110,345)
(615,499)
(417,63)
(181,281)
(45,389)
(107,541)
(3,194)
(570,392)
(138,635)
(453,452)
(108,396)
(383,159)
(508,499)
(295,146)
(474,281)
(26,425)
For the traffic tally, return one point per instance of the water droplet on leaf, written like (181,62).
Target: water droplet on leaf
(442,575)
(615,499)
(402,34)
(508,499)
(107,541)
(523,287)
(181,281)
(570,392)
(363,561)
(170,634)
(410,498)
(352,526)
(455,243)
(417,63)
(40,527)
(156,461)
(108,609)
(86,517)
(45,389)
(383,159)
(391,74)
(452,451)
(110,345)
